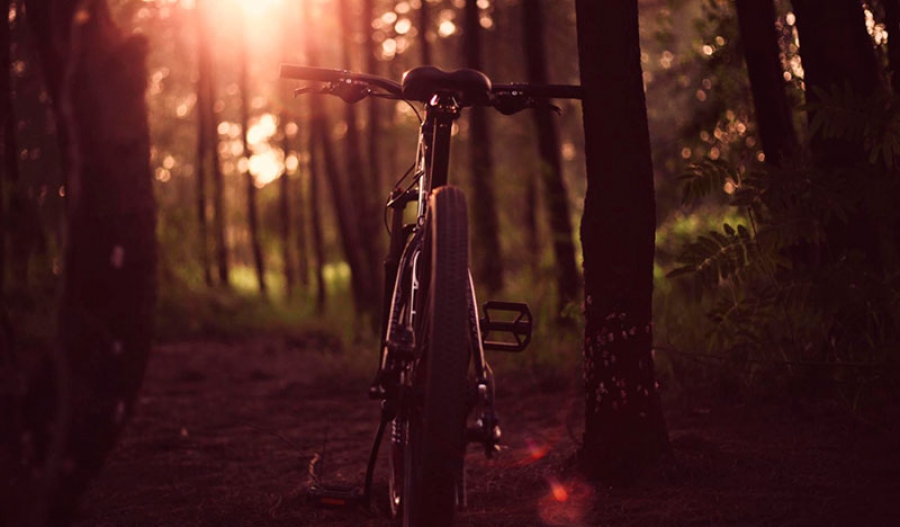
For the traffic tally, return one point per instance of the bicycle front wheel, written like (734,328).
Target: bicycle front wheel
(437,421)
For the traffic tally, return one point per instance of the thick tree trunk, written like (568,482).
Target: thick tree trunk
(624,429)
(107,303)
(551,164)
(837,52)
(486,251)
(284,212)
(252,213)
(773,111)
(204,125)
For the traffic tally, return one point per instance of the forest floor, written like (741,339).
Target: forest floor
(224,431)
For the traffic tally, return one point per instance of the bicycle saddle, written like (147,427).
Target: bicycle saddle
(470,87)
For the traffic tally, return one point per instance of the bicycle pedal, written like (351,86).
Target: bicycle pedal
(335,496)
(515,322)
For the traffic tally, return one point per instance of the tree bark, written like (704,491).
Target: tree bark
(424,24)
(315,218)
(374,117)
(218,179)
(252,213)
(284,212)
(486,250)
(773,111)
(892,21)
(624,428)
(7,129)
(837,51)
(204,123)
(107,303)
(359,187)
(551,164)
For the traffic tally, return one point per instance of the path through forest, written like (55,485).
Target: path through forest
(224,431)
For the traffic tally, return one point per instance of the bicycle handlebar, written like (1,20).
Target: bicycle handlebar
(290,71)
(506,98)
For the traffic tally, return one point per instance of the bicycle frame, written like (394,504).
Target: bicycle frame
(432,168)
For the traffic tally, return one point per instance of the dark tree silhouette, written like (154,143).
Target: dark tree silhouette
(96,77)
(551,165)
(624,428)
(424,26)
(315,220)
(252,212)
(773,111)
(204,129)
(374,117)
(486,253)
(7,137)
(892,23)
(284,212)
(359,184)
(837,52)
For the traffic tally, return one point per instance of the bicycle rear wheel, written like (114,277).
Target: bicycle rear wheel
(437,417)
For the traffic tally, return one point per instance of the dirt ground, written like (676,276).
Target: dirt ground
(224,432)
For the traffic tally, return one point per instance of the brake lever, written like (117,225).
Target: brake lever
(308,89)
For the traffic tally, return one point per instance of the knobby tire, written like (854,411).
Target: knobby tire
(437,420)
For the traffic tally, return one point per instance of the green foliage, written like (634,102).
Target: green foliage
(782,296)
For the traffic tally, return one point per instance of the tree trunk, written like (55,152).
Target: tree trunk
(374,117)
(7,129)
(203,128)
(486,250)
(773,111)
(551,163)
(315,219)
(284,211)
(624,428)
(107,304)
(892,21)
(837,51)
(347,227)
(424,24)
(359,187)
(252,213)
(218,181)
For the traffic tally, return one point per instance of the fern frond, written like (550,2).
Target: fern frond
(705,177)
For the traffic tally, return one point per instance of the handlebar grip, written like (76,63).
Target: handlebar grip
(289,71)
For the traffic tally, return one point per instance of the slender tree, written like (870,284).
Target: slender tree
(203,141)
(284,211)
(773,111)
(6,129)
(97,78)
(424,25)
(359,183)
(252,213)
(206,108)
(624,429)
(315,219)
(374,117)
(486,253)
(892,23)
(551,164)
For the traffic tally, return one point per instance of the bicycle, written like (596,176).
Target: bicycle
(431,330)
